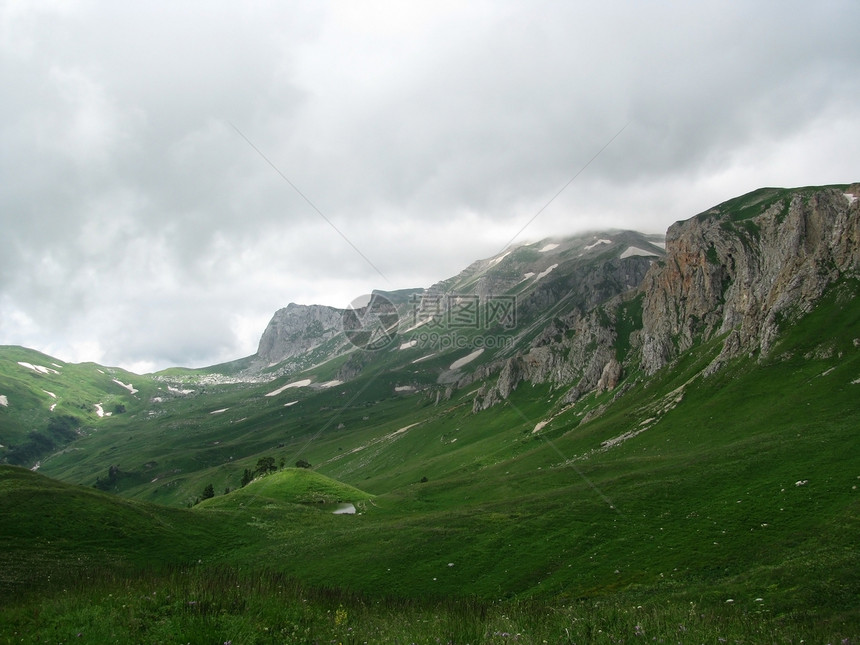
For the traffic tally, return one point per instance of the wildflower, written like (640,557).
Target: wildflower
(340,616)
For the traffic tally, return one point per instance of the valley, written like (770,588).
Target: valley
(586,439)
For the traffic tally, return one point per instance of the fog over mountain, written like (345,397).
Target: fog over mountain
(172,175)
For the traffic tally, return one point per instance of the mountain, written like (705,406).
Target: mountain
(527,283)
(740,270)
(46,404)
(590,421)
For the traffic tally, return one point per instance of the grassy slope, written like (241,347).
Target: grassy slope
(292,485)
(703,503)
(54,532)
(49,409)
(702,506)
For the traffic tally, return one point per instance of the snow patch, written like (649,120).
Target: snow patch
(100,412)
(591,246)
(128,387)
(466,359)
(291,403)
(404,388)
(330,384)
(545,272)
(540,426)
(221,411)
(4,401)
(51,394)
(38,368)
(423,358)
(548,247)
(851,198)
(635,250)
(409,344)
(303,383)
(176,390)
(415,326)
(402,430)
(528,275)
(51,409)
(495,261)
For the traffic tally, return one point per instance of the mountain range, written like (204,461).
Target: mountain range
(581,417)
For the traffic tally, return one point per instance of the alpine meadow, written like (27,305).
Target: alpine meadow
(611,437)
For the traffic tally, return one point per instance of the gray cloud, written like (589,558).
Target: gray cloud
(138,228)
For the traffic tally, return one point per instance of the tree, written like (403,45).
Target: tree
(301,463)
(266,465)
(208,492)
(247,476)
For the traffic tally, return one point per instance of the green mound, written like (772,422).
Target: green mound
(51,531)
(293,485)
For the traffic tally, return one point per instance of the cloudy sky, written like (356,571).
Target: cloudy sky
(171,173)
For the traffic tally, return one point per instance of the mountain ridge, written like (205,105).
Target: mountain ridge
(509,454)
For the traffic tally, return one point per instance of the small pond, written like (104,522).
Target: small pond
(344,508)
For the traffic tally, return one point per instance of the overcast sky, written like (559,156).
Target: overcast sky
(147,149)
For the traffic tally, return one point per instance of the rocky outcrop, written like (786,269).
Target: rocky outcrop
(746,266)
(740,270)
(297,329)
(577,351)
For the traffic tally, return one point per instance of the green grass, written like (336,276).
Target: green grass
(293,485)
(222,605)
(753,204)
(726,505)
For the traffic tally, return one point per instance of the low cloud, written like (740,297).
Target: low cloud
(145,219)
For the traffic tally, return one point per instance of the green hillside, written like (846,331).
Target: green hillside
(736,493)
(689,505)
(290,486)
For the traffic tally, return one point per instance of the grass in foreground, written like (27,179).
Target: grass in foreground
(200,605)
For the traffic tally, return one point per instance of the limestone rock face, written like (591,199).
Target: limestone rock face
(584,357)
(297,329)
(610,376)
(745,267)
(741,270)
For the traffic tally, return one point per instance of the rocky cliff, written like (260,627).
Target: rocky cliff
(593,310)
(298,329)
(743,267)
